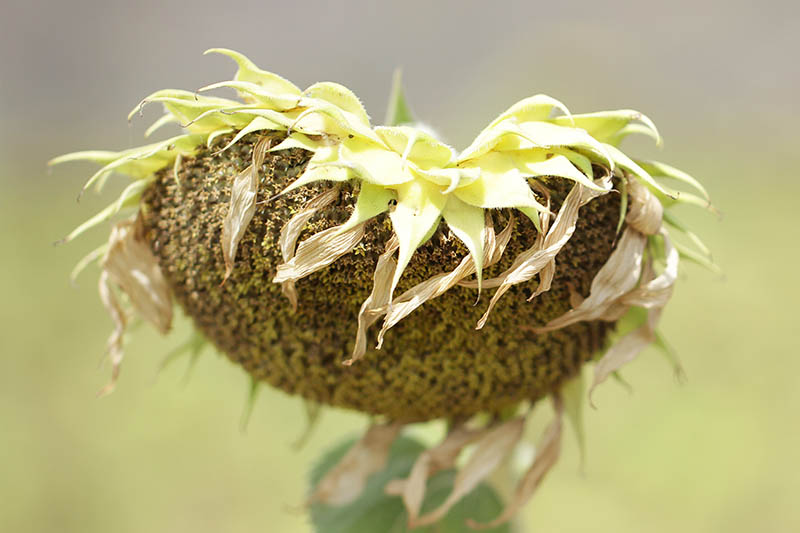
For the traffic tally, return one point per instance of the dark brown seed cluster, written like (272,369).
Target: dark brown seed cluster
(433,363)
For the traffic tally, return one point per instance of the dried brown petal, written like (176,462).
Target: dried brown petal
(646,211)
(437,285)
(291,232)
(652,294)
(114,345)
(374,306)
(440,457)
(131,265)
(546,456)
(490,450)
(532,261)
(344,483)
(625,350)
(656,292)
(243,205)
(616,278)
(319,251)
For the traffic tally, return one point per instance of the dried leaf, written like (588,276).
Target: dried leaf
(532,261)
(616,278)
(344,482)
(546,456)
(319,251)
(440,457)
(490,450)
(243,205)
(291,232)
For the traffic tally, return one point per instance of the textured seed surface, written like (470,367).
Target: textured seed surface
(433,363)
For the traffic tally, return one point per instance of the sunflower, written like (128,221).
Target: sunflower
(376,268)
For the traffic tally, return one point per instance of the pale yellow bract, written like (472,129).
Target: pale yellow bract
(419,180)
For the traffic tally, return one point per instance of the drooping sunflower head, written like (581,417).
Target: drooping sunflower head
(286,225)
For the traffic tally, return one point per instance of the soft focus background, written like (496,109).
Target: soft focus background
(163,453)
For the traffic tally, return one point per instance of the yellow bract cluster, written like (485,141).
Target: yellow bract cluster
(406,171)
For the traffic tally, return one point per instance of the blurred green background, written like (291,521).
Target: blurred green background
(718,454)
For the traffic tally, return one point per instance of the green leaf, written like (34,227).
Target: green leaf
(376,511)
(398,112)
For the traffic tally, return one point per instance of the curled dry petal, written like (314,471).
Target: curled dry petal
(546,456)
(652,294)
(646,211)
(616,278)
(243,205)
(440,457)
(532,261)
(548,272)
(490,450)
(656,292)
(437,285)
(344,483)
(114,345)
(625,350)
(131,265)
(374,306)
(291,232)
(319,251)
